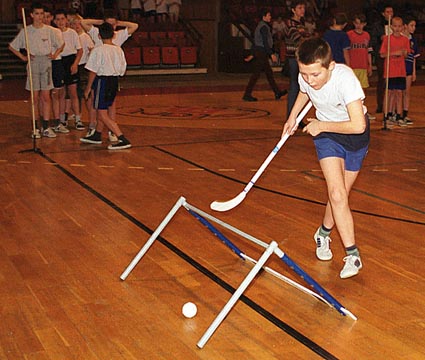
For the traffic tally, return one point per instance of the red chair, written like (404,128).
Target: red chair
(151,56)
(188,55)
(175,34)
(133,56)
(155,35)
(170,56)
(140,36)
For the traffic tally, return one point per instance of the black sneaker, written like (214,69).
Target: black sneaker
(279,94)
(122,143)
(92,139)
(249,98)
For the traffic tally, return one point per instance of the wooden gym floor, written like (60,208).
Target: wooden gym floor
(73,216)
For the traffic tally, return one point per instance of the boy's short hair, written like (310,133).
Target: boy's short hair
(36,5)
(263,12)
(106,31)
(340,18)
(361,17)
(295,3)
(60,12)
(313,50)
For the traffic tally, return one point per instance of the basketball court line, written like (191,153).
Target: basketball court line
(302,339)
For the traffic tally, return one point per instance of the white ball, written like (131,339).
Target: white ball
(189,310)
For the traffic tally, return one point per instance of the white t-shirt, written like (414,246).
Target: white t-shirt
(54,48)
(161,7)
(87,44)
(72,42)
(149,5)
(332,99)
(120,37)
(107,60)
(42,41)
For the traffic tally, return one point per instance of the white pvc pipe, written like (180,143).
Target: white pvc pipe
(237,294)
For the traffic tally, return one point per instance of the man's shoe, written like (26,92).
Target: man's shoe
(61,128)
(371,117)
(408,121)
(79,125)
(323,251)
(112,137)
(279,94)
(249,98)
(352,266)
(92,139)
(122,143)
(48,133)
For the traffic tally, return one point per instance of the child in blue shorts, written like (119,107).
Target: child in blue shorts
(341,136)
(106,64)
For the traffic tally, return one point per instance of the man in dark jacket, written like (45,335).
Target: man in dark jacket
(262,51)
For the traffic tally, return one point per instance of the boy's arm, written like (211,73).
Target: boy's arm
(131,26)
(90,80)
(369,64)
(356,124)
(87,24)
(18,54)
(74,66)
(289,127)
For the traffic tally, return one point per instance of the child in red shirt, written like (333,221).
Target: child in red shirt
(399,48)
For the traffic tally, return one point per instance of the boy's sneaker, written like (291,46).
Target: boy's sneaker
(48,133)
(352,266)
(401,122)
(90,132)
(120,145)
(61,129)
(408,120)
(36,134)
(79,125)
(92,139)
(323,251)
(112,137)
(371,117)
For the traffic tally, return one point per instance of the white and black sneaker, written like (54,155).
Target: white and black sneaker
(352,266)
(323,251)
(95,138)
(122,143)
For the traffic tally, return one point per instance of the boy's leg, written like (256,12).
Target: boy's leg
(47,104)
(339,183)
(75,104)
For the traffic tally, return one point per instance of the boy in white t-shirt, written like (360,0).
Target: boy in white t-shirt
(106,63)
(341,136)
(42,42)
(71,56)
(120,37)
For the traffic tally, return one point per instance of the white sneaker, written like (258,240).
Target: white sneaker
(352,266)
(36,134)
(112,137)
(61,129)
(323,251)
(79,125)
(48,133)
(408,120)
(371,117)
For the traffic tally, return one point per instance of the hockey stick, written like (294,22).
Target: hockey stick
(230,204)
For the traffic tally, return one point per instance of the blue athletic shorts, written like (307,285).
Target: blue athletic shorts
(104,91)
(326,147)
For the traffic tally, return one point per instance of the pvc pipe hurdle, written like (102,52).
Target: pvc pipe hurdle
(258,265)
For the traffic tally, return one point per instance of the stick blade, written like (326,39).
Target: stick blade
(228,205)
